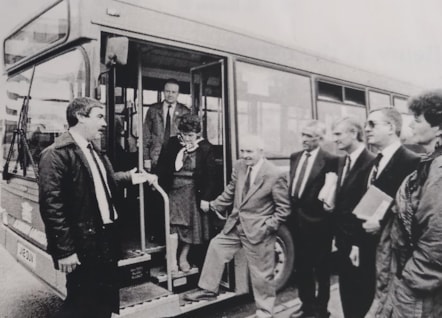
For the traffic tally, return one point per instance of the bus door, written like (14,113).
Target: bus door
(208,95)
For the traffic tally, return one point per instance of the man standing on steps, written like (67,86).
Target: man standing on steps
(161,122)
(80,208)
(258,193)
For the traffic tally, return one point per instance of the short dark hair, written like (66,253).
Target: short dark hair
(428,104)
(82,106)
(171,81)
(393,116)
(189,123)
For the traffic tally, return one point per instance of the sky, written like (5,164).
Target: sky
(400,39)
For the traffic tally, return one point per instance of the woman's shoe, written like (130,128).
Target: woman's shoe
(185,267)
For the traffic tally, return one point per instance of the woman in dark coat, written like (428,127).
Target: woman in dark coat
(186,170)
(410,258)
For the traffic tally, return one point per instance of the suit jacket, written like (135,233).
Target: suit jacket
(308,207)
(205,168)
(153,129)
(348,229)
(403,162)
(265,206)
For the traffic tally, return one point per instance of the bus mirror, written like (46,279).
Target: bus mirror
(116,51)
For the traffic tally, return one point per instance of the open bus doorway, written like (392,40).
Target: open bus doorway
(140,82)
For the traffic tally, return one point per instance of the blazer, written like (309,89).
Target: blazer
(348,229)
(308,207)
(403,162)
(265,206)
(205,168)
(153,129)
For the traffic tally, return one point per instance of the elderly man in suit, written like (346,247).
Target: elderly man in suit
(161,122)
(80,208)
(311,223)
(356,249)
(258,193)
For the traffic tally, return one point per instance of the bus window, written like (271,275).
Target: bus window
(378,100)
(272,104)
(55,83)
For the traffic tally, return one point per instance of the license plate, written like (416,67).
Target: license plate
(25,255)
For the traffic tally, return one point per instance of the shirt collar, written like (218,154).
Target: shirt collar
(313,153)
(79,139)
(355,154)
(166,104)
(257,165)
(389,151)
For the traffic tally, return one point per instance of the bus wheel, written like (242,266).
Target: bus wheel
(284,257)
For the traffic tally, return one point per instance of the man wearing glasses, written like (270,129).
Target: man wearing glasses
(392,164)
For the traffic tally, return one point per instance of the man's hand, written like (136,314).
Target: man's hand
(142,177)
(68,264)
(371,226)
(354,256)
(204,205)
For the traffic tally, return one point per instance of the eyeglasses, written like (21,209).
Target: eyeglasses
(372,124)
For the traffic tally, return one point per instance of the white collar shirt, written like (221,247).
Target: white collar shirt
(355,155)
(165,109)
(255,169)
(100,193)
(387,154)
(312,158)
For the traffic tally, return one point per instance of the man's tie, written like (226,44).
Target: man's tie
(297,187)
(374,172)
(103,181)
(246,187)
(346,169)
(167,126)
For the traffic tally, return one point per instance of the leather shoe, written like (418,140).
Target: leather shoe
(201,294)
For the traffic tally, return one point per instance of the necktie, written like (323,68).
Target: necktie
(167,126)
(374,172)
(106,189)
(297,187)
(346,169)
(246,187)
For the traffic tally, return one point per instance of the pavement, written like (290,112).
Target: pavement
(284,310)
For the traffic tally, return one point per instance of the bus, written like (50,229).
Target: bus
(121,52)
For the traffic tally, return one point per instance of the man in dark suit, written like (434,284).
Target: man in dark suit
(161,123)
(312,226)
(79,207)
(356,249)
(258,194)
(392,164)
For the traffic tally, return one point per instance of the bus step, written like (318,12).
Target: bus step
(179,279)
(133,295)
(134,270)
(152,248)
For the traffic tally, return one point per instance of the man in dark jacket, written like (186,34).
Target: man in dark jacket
(356,249)
(79,208)
(311,223)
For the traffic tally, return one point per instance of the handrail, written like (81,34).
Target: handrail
(167,233)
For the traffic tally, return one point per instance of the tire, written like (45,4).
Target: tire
(284,257)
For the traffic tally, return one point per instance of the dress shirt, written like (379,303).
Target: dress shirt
(172,110)
(355,155)
(98,185)
(387,154)
(255,170)
(312,158)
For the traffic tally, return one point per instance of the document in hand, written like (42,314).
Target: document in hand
(373,205)
(328,191)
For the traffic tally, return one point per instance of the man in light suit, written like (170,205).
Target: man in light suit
(258,193)
(310,222)
(161,122)
(356,249)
